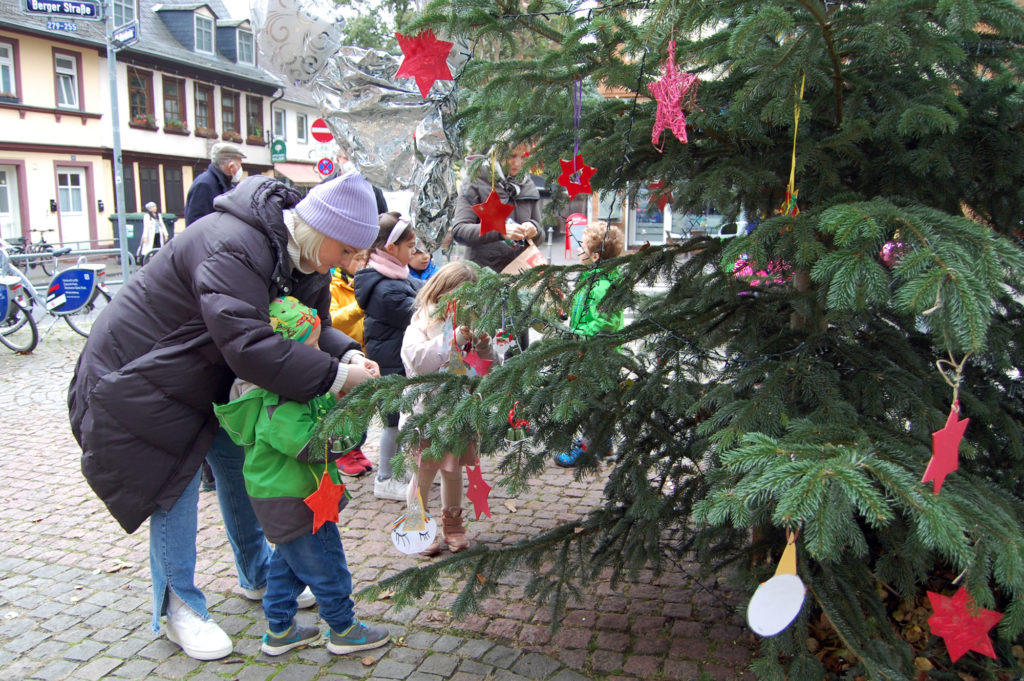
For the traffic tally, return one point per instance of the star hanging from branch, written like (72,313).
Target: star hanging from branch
(669,92)
(478,490)
(945,447)
(493,214)
(425,59)
(576,176)
(662,198)
(963,626)
(324,502)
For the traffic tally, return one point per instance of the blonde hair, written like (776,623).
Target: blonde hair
(307,239)
(605,240)
(444,281)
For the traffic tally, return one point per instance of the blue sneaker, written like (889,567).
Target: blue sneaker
(568,460)
(295,636)
(357,637)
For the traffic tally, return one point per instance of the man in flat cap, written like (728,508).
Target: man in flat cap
(225,170)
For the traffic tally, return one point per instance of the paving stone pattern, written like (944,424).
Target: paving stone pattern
(75,592)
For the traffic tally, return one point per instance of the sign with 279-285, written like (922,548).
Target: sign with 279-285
(75,9)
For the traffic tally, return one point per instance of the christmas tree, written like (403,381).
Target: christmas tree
(881,148)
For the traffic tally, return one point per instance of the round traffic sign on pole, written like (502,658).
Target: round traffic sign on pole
(325,166)
(321,133)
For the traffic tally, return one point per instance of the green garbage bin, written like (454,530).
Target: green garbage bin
(132,228)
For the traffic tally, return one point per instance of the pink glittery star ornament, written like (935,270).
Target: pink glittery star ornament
(670,92)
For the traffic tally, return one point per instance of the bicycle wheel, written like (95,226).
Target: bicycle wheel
(82,320)
(45,259)
(19,331)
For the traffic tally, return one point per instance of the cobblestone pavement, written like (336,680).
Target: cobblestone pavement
(75,599)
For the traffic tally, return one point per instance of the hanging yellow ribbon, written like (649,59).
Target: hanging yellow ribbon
(790,207)
(492,169)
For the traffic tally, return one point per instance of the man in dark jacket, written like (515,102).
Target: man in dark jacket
(225,170)
(492,249)
(170,344)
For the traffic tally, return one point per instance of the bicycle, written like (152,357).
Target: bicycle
(21,246)
(77,295)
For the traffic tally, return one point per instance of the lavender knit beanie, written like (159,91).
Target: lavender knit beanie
(343,209)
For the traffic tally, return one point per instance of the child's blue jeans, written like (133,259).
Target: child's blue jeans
(313,560)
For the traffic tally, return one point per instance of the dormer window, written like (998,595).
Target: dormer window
(246,48)
(204,34)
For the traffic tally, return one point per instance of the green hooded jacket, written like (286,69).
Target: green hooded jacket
(585,319)
(280,470)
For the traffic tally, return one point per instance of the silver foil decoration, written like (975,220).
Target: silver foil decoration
(397,139)
(296,38)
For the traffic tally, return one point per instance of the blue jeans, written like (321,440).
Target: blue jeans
(313,560)
(172,534)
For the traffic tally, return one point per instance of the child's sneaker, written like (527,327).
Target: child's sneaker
(568,460)
(361,458)
(392,488)
(295,636)
(357,637)
(351,464)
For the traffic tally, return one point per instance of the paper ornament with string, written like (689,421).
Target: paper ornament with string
(962,625)
(777,602)
(325,501)
(670,92)
(426,59)
(415,530)
(478,490)
(493,214)
(576,176)
(945,448)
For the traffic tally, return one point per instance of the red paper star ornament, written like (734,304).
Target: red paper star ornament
(662,198)
(961,625)
(493,214)
(669,92)
(425,59)
(945,445)
(324,502)
(576,176)
(477,491)
(477,363)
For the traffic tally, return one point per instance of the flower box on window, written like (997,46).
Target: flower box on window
(176,126)
(255,136)
(208,133)
(8,98)
(231,136)
(147,121)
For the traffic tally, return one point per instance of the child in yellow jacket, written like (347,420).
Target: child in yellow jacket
(346,315)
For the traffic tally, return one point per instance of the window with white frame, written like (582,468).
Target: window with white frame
(300,128)
(124,12)
(246,51)
(66,67)
(204,34)
(279,123)
(8,84)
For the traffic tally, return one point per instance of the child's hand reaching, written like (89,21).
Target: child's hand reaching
(481,340)
(371,367)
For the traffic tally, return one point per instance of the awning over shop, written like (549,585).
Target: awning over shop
(299,173)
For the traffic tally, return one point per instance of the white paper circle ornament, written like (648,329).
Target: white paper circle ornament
(775,604)
(410,540)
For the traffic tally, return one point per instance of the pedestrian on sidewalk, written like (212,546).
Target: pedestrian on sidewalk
(424,351)
(170,344)
(386,292)
(600,241)
(281,471)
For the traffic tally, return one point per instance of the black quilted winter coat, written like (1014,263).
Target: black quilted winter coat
(175,337)
(387,308)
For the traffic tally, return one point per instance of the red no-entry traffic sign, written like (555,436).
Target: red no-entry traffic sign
(321,133)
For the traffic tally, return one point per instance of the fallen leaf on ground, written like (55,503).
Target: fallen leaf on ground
(385,595)
(368,661)
(480,578)
(510,506)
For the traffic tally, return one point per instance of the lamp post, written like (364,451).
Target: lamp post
(112,46)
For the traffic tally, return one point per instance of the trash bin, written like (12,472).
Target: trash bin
(169,220)
(132,228)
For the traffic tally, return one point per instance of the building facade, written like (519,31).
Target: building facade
(190,80)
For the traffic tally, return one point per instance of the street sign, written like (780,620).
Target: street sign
(278,152)
(325,166)
(59,25)
(125,35)
(321,133)
(72,9)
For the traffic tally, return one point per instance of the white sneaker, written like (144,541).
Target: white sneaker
(392,488)
(306,599)
(200,639)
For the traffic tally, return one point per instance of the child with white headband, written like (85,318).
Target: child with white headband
(386,293)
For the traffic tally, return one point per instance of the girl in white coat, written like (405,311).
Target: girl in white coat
(424,351)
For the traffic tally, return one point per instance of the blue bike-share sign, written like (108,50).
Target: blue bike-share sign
(70,290)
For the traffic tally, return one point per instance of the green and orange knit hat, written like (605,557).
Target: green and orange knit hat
(292,319)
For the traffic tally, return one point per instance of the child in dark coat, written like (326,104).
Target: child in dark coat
(386,293)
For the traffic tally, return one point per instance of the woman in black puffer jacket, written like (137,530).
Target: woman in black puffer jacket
(170,344)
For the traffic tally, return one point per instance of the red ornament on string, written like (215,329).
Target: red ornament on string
(425,59)
(669,92)
(324,502)
(961,625)
(477,363)
(493,214)
(478,490)
(576,176)
(945,447)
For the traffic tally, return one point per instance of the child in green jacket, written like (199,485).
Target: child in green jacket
(280,472)
(600,240)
